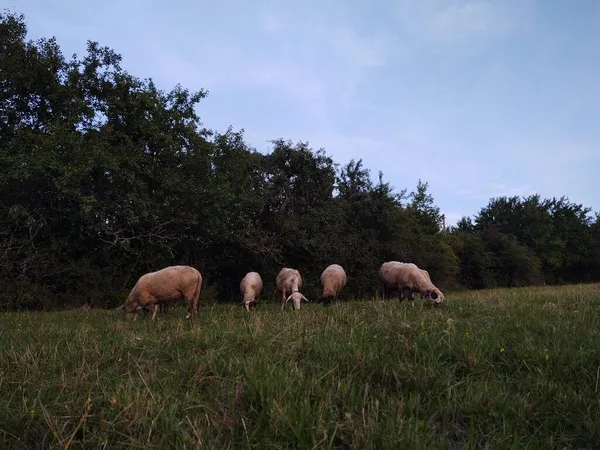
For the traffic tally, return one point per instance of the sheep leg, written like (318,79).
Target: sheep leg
(154,310)
(190,307)
(400,293)
(283,299)
(411,297)
(383,291)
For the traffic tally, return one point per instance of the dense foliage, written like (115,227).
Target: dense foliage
(104,177)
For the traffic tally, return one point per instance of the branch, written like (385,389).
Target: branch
(157,235)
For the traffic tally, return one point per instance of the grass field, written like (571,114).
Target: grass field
(491,369)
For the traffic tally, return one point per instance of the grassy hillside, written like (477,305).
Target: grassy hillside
(495,369)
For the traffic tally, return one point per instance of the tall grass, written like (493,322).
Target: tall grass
(489,369)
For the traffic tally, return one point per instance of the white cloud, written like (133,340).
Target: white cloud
(458,21)
(295,83)
(358,50)
(466,26)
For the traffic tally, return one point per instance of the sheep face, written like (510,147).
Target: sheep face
(435,296)
(296,298)
(132,309)
(440,298)
(249,302)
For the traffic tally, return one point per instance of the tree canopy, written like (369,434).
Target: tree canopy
(104,177)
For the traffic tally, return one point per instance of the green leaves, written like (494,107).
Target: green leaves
(547,239)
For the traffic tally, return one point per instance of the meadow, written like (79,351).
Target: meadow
(505,368)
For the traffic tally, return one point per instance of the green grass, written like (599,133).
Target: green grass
(491,369)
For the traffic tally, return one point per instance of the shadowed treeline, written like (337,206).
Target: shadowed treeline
(104,177)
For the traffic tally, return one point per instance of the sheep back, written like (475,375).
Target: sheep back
(288,280)
(333,280)
(251,286)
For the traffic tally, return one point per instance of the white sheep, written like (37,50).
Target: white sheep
(251,287)
(289,280)
(409,277)
(167,285)
(333,280)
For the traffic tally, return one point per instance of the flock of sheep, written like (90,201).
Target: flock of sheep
(171,284)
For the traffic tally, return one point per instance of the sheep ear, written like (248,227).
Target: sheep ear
(288,299)
(305,299)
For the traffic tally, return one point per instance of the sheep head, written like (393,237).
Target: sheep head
(435,296)
(131,308)
(296,298)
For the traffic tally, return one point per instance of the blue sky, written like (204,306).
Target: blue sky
(478,98)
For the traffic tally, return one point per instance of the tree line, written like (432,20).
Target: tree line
(104,177)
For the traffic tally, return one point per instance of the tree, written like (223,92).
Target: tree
(428,217)
(91,165)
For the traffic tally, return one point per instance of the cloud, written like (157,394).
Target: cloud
(458,21)
(297,83)
(326,34)
(485,192)
(357,50)
(312,60)
(452,29)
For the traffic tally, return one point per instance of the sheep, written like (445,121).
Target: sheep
(409,277)
(166,285)
(289,280)
(333,280)
(251,287)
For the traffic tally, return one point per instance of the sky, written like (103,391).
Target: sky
(479,98)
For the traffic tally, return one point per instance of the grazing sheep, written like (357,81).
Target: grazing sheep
(251,287)
(289,280)
(167,285)
(333,280)
(407,276)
